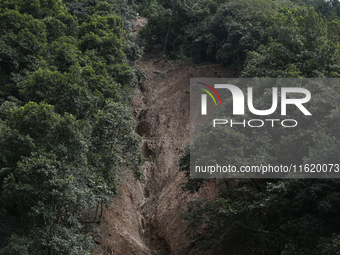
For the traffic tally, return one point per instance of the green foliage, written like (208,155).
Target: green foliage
(101,26)
(328,9)
(85,8)
(298,45)
(61,25)
(37,8)
(169,23)
(47,184)
(209,30)
(22,48)
(66,130)
(290,216)
(261,38)
(285,217)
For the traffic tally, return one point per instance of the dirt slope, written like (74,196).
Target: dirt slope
(162,110)
(146,218)
(138,23)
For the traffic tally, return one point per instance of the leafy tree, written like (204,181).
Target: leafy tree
(83,9)
(210,30)
(47,185)
(298,46)
(38,8)
(66,130)
(22,48)
(272,216)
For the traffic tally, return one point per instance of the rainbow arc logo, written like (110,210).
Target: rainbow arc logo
(204,96)
(213,90)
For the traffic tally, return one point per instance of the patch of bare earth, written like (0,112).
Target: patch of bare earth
(146,219)
(139,23)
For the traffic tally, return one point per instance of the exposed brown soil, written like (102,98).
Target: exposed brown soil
(146,219)
(139,23)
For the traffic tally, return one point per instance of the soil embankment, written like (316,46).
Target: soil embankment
(146,219)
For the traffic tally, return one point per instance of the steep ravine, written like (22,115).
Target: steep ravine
(146,219)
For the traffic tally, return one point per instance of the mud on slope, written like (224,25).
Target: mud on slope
(146,218)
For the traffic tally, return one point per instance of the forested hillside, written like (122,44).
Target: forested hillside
(66,131)
(67,79)
(264,39)
(260,38)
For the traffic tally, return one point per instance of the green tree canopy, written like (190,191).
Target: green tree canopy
(66,130)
